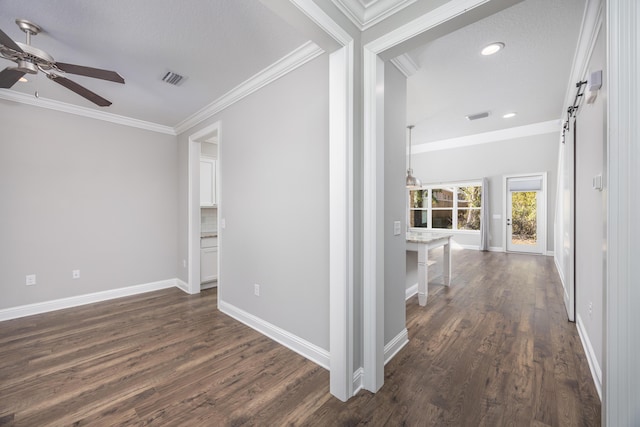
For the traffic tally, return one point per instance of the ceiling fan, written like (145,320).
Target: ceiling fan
(30,59)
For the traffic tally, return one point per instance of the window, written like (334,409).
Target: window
(446,207)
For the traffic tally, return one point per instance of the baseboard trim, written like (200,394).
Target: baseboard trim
(468,247)
(304,348)
(395,345)
(411,291)
(596,372)
(496,249)
(75,301)
(183,286)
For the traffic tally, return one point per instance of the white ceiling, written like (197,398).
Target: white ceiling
(529,76)
(216,44)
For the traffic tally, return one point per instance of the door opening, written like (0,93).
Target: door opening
(525,225)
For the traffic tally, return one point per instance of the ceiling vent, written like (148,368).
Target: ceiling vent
(172,78)
(477,116)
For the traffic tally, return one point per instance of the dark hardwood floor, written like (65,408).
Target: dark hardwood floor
(493,349)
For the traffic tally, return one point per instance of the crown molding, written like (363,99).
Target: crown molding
(541,128)
(64,107)
(423,23)
(405,64)
(367,14)
(293,60)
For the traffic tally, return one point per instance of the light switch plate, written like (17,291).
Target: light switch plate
(396,228)
(597,182)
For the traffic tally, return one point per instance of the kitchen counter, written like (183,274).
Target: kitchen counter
(422,242)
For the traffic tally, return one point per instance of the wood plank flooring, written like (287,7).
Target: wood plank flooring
(493,349)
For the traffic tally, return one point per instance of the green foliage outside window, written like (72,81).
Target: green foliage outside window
(524,215)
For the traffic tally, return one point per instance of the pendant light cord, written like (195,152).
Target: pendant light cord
(410,127)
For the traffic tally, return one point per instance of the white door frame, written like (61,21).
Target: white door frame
(542,207)
(373,132)
(621,371)
(193,215)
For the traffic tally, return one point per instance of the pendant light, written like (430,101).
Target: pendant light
(412,181)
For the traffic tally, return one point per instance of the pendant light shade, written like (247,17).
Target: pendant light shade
(412,181)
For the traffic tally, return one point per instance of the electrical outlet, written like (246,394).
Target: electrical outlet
(256,290)
(590,308)
(75,274)
(30,280)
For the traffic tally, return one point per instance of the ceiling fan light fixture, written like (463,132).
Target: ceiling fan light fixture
(26,67)
(492,48)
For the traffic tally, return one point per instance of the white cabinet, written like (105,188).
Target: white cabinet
(208,264)
(208,182)
(208,259)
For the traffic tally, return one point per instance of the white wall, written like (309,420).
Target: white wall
(591,223)
(274,188)
(395,101)
(537,153)
(79,193)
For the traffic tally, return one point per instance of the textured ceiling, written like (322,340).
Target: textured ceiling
(216,44)
(530,75)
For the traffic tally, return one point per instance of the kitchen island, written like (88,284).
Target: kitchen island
(422,242)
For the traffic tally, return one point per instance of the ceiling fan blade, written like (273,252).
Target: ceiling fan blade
(9,77)
(96,73)
(8,42)
(80,90)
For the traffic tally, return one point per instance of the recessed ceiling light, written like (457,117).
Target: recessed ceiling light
(23,80)
(509,115)
(492,48)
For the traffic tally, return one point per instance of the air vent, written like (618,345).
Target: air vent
(477,116)
(173,78)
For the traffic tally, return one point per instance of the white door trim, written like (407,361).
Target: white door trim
(622,343)
(193,215)
(543,219)
(373,243)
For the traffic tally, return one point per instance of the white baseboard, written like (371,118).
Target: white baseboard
(59,304)
(304,348)
(183,286)
(596,372)
(357,381)
(550,253)
(411,291)
(496,249)
(469,247)
(395,345)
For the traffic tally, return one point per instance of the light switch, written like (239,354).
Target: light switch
(396,228)
(223,223)
(597,182)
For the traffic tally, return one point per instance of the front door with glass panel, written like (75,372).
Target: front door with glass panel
(525,215)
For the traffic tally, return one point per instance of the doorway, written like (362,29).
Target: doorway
(209,139)
(525,216)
